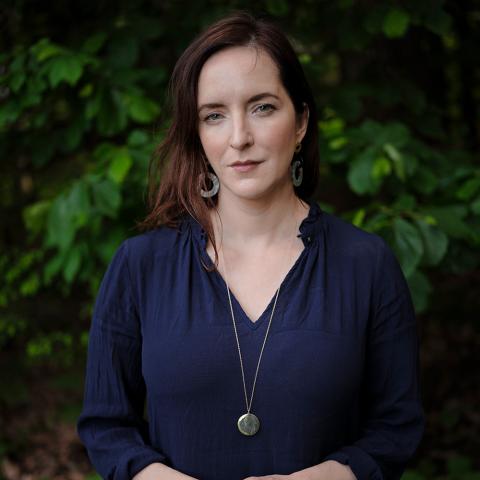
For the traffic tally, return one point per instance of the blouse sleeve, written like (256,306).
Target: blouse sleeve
(111,424)
(393,417)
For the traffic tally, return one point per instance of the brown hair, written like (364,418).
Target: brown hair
(179,160)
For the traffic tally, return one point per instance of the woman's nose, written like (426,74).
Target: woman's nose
(241,134)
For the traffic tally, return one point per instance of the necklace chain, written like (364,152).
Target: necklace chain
(249,405)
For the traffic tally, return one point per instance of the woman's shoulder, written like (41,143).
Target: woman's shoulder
(158,241)
(162,235)
(343,237)
(353,247)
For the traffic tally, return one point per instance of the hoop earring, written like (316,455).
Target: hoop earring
(216,185)
(297,180)
(297,164)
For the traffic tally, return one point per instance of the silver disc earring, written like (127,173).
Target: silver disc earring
(215,187)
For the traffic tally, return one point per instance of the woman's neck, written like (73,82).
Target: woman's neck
(257,224)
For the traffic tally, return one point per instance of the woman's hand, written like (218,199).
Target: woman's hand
(271,477)
(329,470)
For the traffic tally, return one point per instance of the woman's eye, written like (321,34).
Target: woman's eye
(209,117)
(266,105)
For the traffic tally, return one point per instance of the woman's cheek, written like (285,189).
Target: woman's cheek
(214,144)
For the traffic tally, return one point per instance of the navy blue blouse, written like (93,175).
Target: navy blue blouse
(339,377)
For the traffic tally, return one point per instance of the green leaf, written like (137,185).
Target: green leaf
(397,160)
(86,91)
(404,202)
(30,285)
(107,197)
(369,130)
(93,105)
(72,264)
(17,80)
(392,152)
(397,134)
(72,135)
(468,189)
(358,218)
(381,168)
(110,244)
(141,159)
(94,43)
(79,204)
(112,114)
(337,143)
(18,60)
(360,176)
(60,226)
(53,266)
(104,151)
(35,216)
(396,23)
(420,289)
(120,165)
(475,206)
(66,68)
(424,180)
(141,109)
(45,49)
(332,128)
(305,58)
(69,212)
(435,242)
(406,166)
(450,220)
(39,347)
(137,138)
(408,245)
(9,112)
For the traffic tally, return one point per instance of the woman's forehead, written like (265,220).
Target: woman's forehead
(240,71)
(245,60)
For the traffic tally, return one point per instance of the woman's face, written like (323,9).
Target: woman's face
(245,113)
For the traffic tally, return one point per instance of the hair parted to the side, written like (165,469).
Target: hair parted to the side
(175,167)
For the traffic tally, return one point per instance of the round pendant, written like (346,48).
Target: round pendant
(248,424)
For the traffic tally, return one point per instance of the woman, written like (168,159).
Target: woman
(268,337)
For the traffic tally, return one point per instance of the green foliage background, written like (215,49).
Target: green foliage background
(82,95)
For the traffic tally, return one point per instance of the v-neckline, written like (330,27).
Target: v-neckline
(237,307)
(305,233)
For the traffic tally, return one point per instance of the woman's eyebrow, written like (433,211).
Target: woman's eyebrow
(259,96)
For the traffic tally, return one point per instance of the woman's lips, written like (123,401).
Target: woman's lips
(245,167)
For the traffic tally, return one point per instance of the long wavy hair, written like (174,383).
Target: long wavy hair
(179,161)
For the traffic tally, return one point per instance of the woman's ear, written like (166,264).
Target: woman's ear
(303,123)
